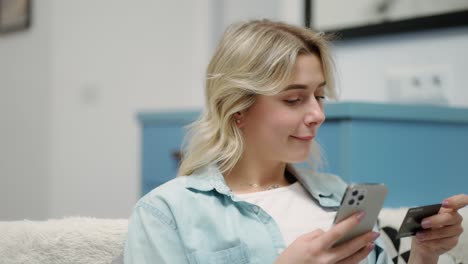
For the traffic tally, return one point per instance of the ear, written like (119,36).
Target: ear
(238,115)
(239,119)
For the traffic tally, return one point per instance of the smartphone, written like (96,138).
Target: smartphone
(367,197)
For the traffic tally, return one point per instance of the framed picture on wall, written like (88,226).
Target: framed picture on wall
(15,15)
(363,18)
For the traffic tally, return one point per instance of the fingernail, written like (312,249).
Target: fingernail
(426,224)
(445,203)
(371,246)
(361,215)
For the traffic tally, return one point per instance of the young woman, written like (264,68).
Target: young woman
(238,198)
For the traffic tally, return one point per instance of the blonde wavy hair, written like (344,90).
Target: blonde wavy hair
(253,58)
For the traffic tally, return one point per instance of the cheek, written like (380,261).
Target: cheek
(284,122)
(278,123)
(270,120)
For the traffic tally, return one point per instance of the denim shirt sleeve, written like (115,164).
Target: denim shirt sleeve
(153,237)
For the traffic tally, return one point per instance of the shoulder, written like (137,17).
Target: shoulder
(331,183)
(158,202)
(175,185)
(327,188)
(169,202)
(332,180)
(166,196)
(173,196)
(325,182)
(165,193)
(329,178)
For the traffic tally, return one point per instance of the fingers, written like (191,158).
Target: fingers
(446,210)
(314,234)
(456,202)
(359,256)
(340,229)
(319,243)
(352,247)
(440,246)
(440,233)
(442,219)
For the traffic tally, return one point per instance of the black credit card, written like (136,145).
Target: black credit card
(412,221)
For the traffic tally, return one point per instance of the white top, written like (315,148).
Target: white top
(293,209)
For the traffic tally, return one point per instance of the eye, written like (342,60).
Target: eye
(292,101)
(319,98)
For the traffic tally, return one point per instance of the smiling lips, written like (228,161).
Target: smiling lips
(304,138)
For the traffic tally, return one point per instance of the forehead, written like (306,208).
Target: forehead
(308,71)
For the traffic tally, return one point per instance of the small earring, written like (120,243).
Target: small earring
(238,121)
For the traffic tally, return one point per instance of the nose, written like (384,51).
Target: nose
(314,115)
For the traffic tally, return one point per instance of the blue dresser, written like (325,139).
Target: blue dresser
(420,152)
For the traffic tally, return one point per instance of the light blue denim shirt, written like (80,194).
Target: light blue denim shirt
(197,219)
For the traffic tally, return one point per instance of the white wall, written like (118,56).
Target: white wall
(226,12)
(363,63)
(24,119)
(70,90)
(112,59)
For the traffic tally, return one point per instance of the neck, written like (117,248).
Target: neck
(248,172)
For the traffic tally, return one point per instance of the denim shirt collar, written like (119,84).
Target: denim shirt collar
(327,189)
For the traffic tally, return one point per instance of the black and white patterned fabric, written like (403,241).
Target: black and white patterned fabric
(398,250)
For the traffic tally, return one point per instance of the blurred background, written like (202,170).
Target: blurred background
(72,83)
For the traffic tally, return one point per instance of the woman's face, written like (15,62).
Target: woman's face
(281,127)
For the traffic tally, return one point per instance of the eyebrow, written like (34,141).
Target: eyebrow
(301,86)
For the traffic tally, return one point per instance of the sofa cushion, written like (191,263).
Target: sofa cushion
(76,240)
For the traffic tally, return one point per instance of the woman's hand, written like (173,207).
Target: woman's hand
(316,247)
(441,231)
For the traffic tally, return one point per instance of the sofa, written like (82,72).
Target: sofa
(81,240)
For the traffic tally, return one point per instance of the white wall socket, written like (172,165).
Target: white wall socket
(419,84)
